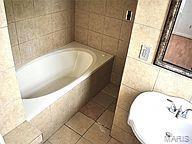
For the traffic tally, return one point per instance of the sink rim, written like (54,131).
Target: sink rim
(131,122)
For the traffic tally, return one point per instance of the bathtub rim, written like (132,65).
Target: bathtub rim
(62,92)
(94,59)
(60,50)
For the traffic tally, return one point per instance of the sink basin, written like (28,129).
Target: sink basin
(153,123)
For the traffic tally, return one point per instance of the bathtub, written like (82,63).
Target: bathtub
(49,77)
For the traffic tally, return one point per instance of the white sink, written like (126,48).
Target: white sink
(153,123)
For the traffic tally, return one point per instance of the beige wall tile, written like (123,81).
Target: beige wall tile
(139,75)
(3,20)
(118,65)
(120,120)
(12,34)
(28,50)
(60,112)
(44,25)
(121,135)
(70,14)
(43,122)
(152,13)
(82,4)
(106,18)
(59,5)
(96,22)
(112,27)
(46,17)
(126,97)
(126,29)
(70,34)
(97,6)
(59,39)
(42,7)
(12,114)
(143,35)
(173,84)
(59,20)
(23,9)
(45,45)
(9,89)
(116,78)
(94,40)
(122,49)
(111,90)
(6,60)
(110,45)
(26,30)
(82,18)
(9,11)
(81,35)
(16,55)
(114,8)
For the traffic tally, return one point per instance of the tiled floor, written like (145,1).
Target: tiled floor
(92,124)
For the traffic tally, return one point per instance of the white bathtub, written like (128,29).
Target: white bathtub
(47,78)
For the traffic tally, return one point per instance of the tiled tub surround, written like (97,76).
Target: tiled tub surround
(140,76)
(11,108)
(91,124)
(37,27)
(77,93)
(101,24)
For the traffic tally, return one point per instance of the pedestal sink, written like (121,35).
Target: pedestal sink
(156,118)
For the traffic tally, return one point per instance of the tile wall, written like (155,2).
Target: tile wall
(101,24)
(37,27)
(11,107)
(140,76)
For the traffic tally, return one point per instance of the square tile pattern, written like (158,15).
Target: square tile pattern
(101,24)
(92,124)
(31,20)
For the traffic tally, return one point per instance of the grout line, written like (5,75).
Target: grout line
(81,136)
(37,16)
(148,26)
(156,79)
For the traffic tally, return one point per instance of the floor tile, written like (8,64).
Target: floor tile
(103,99)
(64,136)
(112,106)
(92,110)
(83,141)
(97,134)
(111,90)
(113,141)
(80,123)
(106,119)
